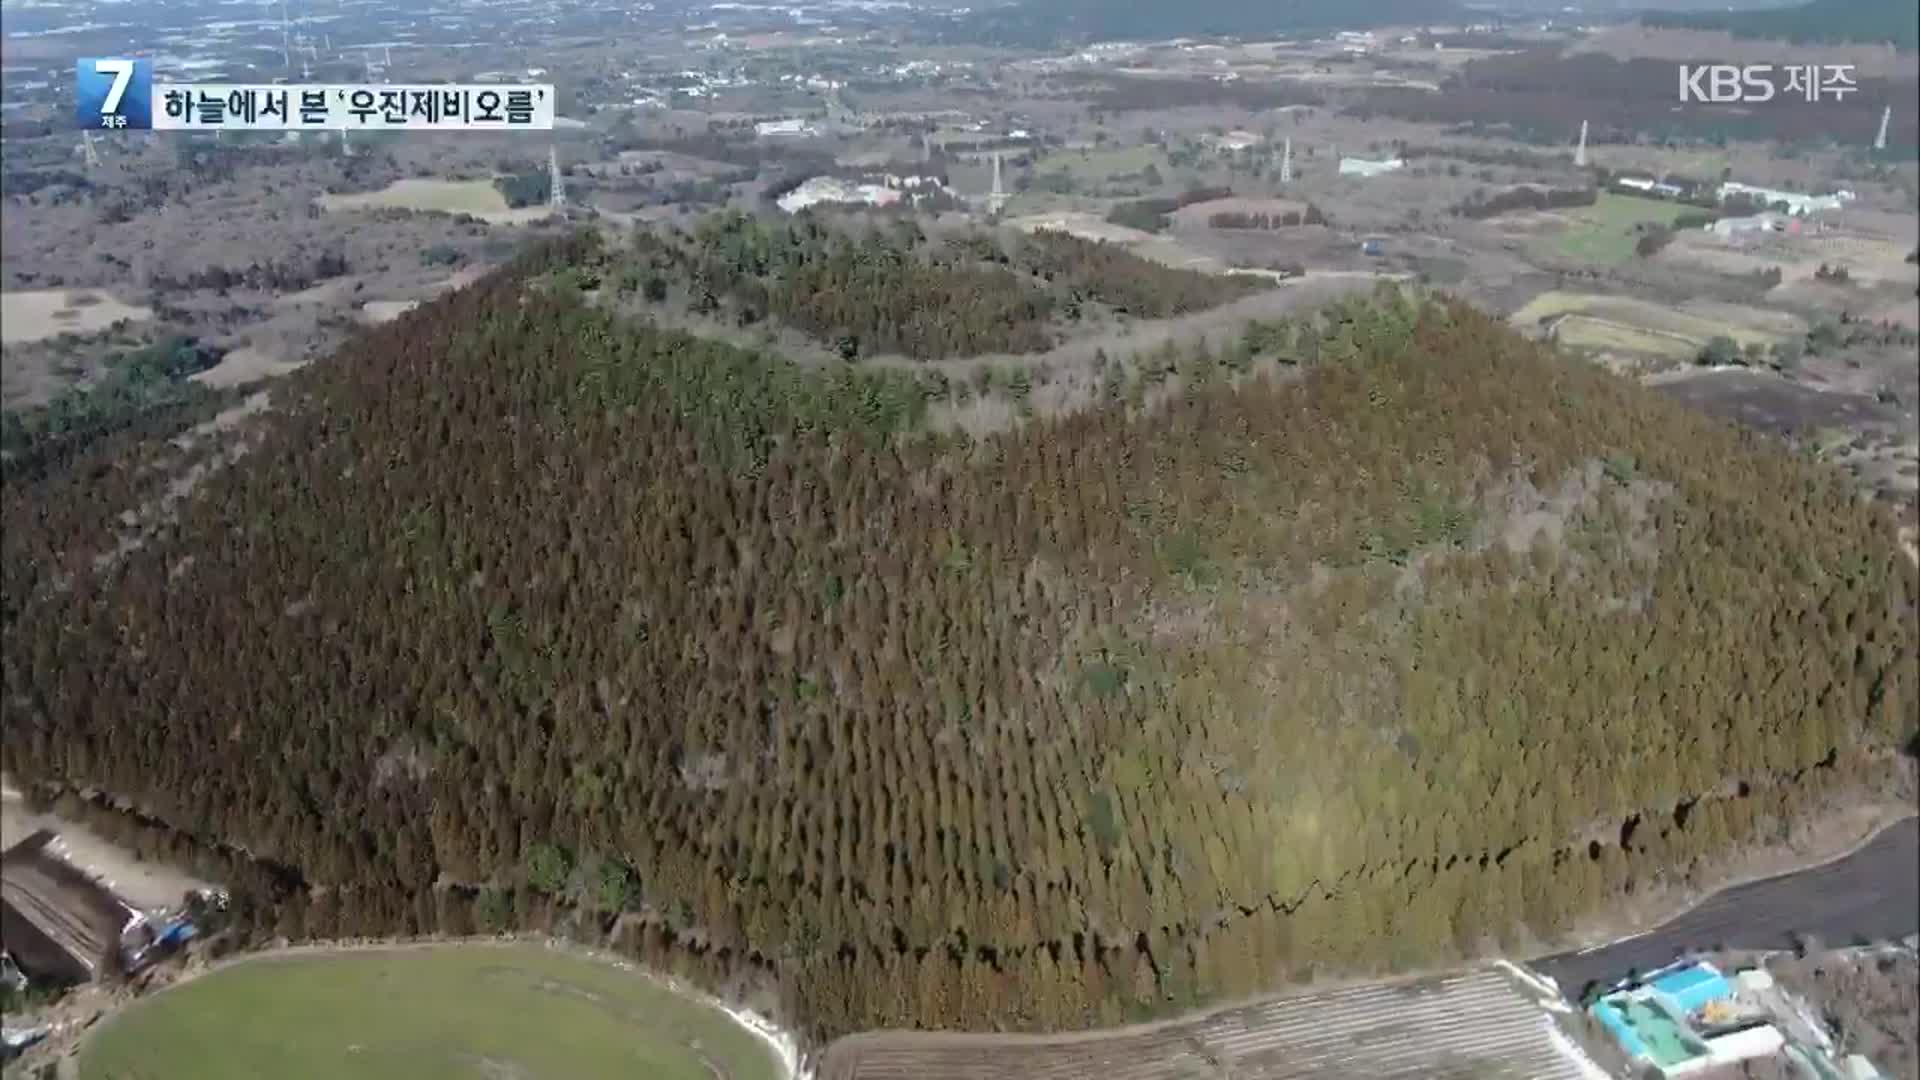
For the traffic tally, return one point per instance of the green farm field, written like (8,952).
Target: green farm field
(482,1011)
(1604,232)
(1101,166)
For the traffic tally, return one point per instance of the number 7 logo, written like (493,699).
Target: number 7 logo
(122,72)
(114,92)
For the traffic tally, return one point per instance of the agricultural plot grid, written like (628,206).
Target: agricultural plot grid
(1475,1025)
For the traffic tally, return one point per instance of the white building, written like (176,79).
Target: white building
(1728,228)
(1235,141)
(793,126)
(1797,204)
(832,189)
(1737,1046)
(1649,185)
(1363,167)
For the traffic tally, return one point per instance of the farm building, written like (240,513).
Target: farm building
(831,189)
(1692,1019)
(1234,141)
(1650,186)
(1365,167)
(60,925)
(1728,228)
(770,128)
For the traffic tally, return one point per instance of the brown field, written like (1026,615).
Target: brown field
(1464,1026)
(1769,402)
(38,314)
(1089,226)
(476,197)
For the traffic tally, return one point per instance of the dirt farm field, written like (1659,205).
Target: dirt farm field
(1473,1025)
(470,1010)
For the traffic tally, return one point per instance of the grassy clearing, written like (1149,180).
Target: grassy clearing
(38,314)
(1587,332)
(1101,166)
(470,1010)
(1605,232)
(1620,323)
(477,197)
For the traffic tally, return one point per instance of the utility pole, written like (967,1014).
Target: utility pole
(1580,152)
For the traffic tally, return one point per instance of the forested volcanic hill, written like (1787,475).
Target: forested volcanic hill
(1413,641)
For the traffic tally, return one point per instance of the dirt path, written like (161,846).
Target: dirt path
(145,883)
(1828,840)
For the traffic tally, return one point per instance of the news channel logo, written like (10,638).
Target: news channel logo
(1752,84)
(114,92)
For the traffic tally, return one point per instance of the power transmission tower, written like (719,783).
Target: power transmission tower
(997,198)
(557,193)
(1580,152)
(1886,118)
(86,147)
(1286,163)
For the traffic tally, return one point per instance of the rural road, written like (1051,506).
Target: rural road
(1873,893)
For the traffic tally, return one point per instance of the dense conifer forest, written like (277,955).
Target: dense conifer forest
(897,290)
(1367,640)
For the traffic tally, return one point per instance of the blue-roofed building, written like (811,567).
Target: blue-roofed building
(1690,988)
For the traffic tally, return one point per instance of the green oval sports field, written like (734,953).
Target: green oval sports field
(495,1012)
